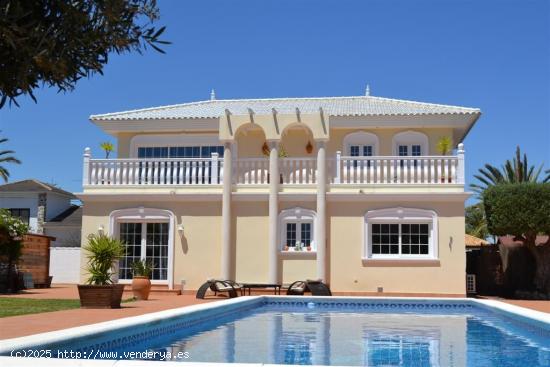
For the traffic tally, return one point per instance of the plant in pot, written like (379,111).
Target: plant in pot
(141,283)
(100,291)
(444,146)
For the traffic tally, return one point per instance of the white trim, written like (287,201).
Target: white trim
(410,138)
(402,215)
(142,214)
(296,215)
(361,138)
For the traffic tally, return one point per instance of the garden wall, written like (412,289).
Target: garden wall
(35,258)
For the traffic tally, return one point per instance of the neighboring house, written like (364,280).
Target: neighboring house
(35,202)
(227,188)
(66,227)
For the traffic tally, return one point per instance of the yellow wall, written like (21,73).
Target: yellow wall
(197,252)
(346,241)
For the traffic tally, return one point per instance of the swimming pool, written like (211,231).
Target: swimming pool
(343,331)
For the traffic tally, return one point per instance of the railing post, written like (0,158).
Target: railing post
(460,168)
(214,170)
(338,165)
(86,166)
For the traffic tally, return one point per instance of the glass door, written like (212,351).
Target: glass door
(144,241)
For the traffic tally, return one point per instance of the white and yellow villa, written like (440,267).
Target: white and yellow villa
(350,190)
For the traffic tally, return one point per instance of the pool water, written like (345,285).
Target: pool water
(358,333)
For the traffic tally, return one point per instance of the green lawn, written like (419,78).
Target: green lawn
(23,306)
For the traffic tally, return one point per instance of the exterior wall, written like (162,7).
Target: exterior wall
(64,236)
(348,273)
(34,258)
(65,264)
(385,138)
(196,250)
(23,201)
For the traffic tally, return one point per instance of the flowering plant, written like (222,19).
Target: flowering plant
(14,226)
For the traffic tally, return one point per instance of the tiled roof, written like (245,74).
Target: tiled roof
(70,217)
(33,186)
(333,106)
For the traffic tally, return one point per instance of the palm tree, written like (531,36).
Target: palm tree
(515,171)
(547,178)
(5,157)
(107,147)
(476,223)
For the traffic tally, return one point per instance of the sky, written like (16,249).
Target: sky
(493,55)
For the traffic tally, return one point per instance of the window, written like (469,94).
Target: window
(180,152)
(22,213)
(297,225)
(410,143)
(360,143)
(144,241)
(401,233)
(148,235)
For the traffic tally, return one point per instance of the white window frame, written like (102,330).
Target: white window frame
(146,215)
(360,138)
(297,215)
(410,138)
(401,216)
(174,140)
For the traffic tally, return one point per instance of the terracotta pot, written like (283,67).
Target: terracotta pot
(100,296)
(141,286)
(309,248)
(286,248)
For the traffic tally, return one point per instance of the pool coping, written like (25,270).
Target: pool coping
(22,343)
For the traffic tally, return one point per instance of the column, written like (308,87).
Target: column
(227,256)
(274,276)
(320,231)
(86,167)
(460,168)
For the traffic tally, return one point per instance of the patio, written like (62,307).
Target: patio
(17,326)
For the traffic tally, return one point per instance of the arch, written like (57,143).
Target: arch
(409,138)
(295,137)
(296,214)
(142,214)
(249,139)
(399,215)
(360,138)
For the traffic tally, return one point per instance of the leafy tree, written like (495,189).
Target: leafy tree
(107,148)
(515,171)
(58,42)
(522,210)
(12,230)
(476,223)
(6,157)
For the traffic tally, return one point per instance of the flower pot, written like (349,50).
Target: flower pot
(100,296)
(286,248)
(141,286)
(309,248)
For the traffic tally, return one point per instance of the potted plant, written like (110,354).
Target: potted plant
(286,248)
(308,247)
(12,230)
(100,292)
(444,146)
(298,246)
(141,283)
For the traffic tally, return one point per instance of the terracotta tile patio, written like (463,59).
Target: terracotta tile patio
(16,326)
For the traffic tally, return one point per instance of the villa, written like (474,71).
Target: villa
(349,190)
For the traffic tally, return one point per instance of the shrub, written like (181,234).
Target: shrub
(102,251)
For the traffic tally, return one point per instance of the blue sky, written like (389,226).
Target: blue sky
(494,55)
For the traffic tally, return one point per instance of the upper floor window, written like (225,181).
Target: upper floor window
(297,229)
(410,143)
(22,213)
(360,144)
(401,233)
(180,152)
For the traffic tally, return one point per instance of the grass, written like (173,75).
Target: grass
(25,306)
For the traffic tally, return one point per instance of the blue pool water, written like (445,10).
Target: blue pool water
(332,332)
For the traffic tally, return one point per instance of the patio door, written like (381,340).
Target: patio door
(145,241)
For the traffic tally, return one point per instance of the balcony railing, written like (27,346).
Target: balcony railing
(147,172)
(341,170)
(397,170)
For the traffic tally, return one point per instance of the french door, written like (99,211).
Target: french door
(144,241)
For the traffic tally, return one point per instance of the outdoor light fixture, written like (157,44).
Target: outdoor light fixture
(180,228)
(101,229)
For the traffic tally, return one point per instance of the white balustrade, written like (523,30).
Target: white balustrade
(156,171)
(298,171)
(397,170)
(251,171)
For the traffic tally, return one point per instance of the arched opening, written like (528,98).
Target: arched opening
(252,164)
(360,143)
(410,143)
(249,139)
(297,141)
